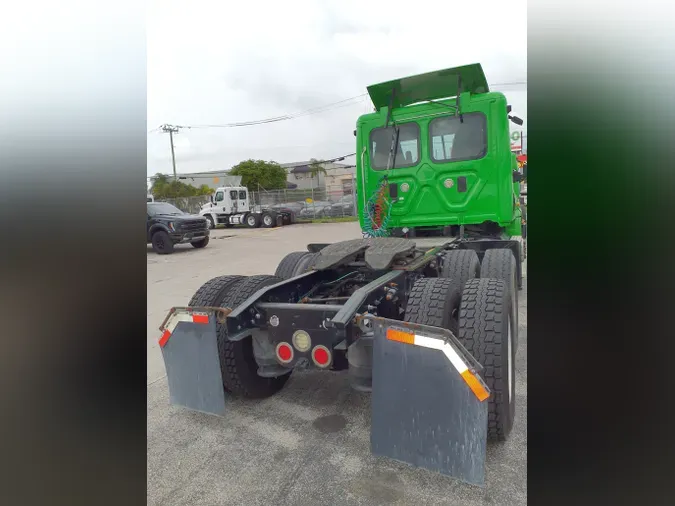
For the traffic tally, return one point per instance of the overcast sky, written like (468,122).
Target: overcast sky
(214,62)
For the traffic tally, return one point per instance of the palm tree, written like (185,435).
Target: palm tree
(316,168)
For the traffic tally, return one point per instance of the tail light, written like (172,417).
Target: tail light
(284,353)
(322,356)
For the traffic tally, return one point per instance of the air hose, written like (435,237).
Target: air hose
(377,212)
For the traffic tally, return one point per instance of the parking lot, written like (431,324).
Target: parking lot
(288,449)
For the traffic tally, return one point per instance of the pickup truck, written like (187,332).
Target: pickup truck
(167,226)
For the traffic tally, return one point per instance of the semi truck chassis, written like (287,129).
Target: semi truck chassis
(428,327)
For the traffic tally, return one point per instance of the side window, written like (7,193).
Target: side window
(219,196)
(407,150)
(242,195)
(233,194)
(451,139)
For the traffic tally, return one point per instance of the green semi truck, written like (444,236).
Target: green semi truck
(422,311)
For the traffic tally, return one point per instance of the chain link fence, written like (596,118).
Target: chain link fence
(324,203)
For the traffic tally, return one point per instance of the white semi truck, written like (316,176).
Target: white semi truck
(230,206)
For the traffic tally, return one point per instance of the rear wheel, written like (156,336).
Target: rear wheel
(212,292)
(488,332)
(305,263)
(209,222)
(435,302)
(269,219)
(237,361)
(253,220)
(161,243)
(461,265)
(287,267)
(501,264)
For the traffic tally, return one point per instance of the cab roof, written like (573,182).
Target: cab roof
(430,86)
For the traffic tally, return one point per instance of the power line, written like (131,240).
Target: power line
(315,110)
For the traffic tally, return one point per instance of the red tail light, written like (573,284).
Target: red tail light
(321,356)
(284,353)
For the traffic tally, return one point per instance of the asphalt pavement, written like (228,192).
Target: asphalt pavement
(309,444)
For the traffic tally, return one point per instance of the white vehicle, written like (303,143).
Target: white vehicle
(150,198)
(230,206)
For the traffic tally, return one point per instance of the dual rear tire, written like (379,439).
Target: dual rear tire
(480,315)
(238,366)
(295,264)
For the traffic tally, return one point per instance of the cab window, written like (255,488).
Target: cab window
(407,149)
(242,194)
(219,196)
(233,194)
(453,140)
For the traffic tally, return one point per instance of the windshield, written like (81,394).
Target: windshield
(163,208)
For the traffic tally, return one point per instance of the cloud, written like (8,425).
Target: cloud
(212,63)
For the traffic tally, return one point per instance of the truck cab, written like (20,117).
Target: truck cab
(436,159)
(231,200)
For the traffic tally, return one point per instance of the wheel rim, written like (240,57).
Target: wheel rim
(160,243)
(251,221)
(209,223)
(267,219)
(510,360)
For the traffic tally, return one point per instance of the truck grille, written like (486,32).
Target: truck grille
(189,226)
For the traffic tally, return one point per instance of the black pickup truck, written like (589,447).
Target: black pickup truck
(168,226)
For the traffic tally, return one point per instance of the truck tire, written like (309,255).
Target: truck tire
(288,264)
(501,264)
(161,243)
(209,221)
(269,219)
(487,332)
(436,302)
(252,220)
(305,263)
(201,243)
(461,265)
(238,365)
(212,292)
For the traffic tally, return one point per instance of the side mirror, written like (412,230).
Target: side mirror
(516,120)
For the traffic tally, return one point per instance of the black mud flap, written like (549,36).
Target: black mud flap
(190,349)
(429,404)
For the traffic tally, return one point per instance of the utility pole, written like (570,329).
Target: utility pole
(170,129)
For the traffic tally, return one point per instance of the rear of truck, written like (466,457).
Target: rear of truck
(430,331)
(452,164)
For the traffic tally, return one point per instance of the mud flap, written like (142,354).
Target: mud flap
(429,405)
(190,350)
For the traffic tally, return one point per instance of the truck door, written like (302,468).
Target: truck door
(234,201)
(243,201)
(219,202)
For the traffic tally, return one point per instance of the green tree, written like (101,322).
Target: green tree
(315,168)
(269,175)
(164,187)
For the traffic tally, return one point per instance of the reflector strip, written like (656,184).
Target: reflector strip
(164,339)
(176,318)
(474,383)
(400,336)
(200,318)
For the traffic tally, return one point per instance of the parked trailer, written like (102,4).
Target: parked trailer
(423,312)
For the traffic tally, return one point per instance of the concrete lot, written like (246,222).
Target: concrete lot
(283,451)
